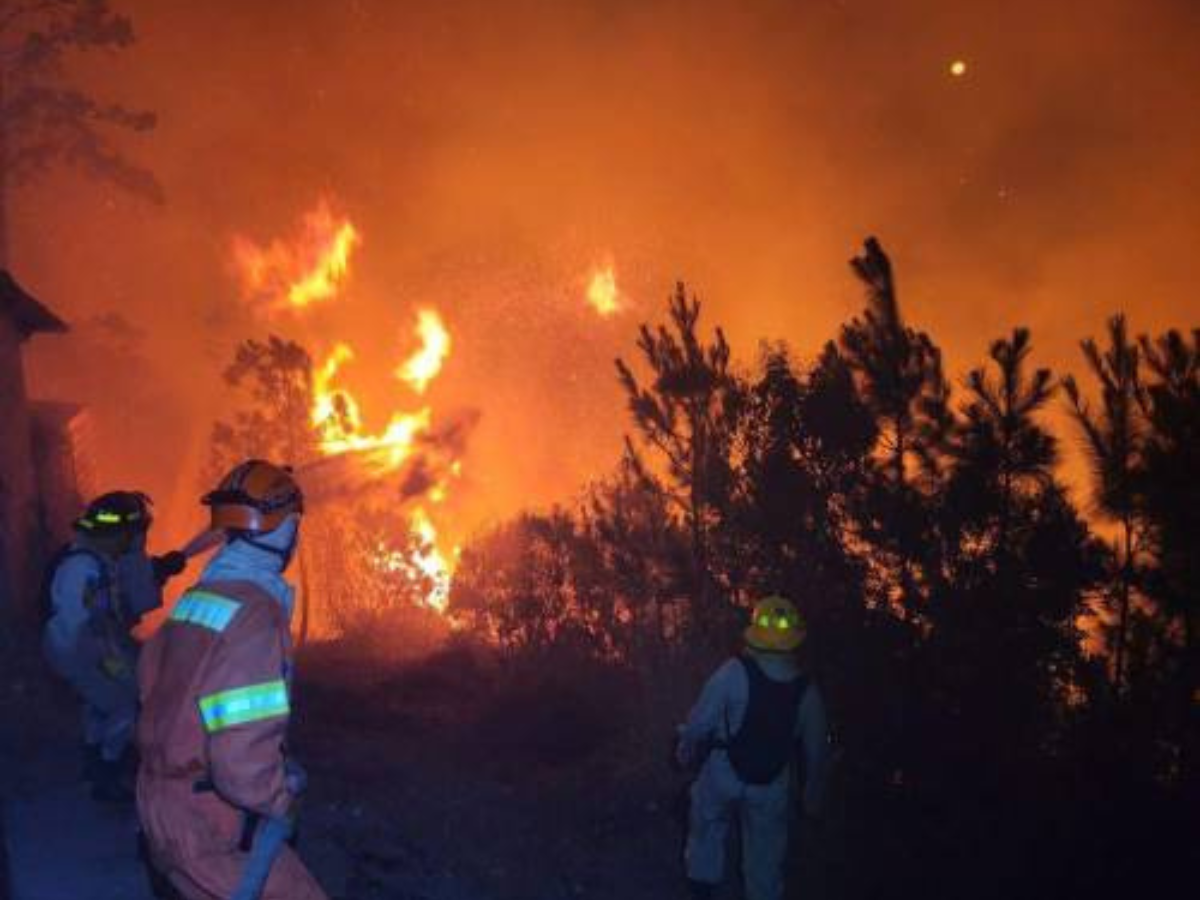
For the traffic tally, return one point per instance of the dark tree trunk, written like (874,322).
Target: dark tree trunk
(4,179)
(704,601)
(1123,607)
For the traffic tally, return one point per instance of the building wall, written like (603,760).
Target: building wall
(61,444)
(18,508)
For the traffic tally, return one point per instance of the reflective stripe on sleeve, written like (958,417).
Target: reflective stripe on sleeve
(238,706)
(210,611)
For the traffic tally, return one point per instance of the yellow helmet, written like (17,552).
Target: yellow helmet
(776,626)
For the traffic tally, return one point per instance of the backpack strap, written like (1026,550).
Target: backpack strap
(64,553)
(69,552)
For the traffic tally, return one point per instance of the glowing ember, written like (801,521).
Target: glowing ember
(602,291)
(958,68)
(423,366)
(304,270)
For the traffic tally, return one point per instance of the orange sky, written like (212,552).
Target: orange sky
(492,152)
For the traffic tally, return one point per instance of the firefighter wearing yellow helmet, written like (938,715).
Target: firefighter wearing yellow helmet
(741,737)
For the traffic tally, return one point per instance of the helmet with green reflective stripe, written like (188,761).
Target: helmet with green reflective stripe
(117,512)
(776,626)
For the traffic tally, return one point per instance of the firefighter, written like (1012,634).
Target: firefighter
(741,737)
(216,789)
(95,591)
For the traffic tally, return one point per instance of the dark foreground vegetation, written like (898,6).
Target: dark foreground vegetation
(1013,683)
(1012,679)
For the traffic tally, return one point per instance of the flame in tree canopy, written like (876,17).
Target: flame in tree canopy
(337,419)
(424,365)
(296,273)
(310,267)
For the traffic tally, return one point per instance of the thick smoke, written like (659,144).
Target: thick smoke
(492,153)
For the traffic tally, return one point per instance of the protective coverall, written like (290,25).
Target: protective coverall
(215,691)
(95,600)
(718,794)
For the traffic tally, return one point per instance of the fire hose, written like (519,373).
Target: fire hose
(268,844)
(271,836)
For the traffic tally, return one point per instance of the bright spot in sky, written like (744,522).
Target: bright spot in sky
(602,291)
(958,68)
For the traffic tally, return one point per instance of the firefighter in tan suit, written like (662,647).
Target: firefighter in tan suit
(753,714)
(215,692)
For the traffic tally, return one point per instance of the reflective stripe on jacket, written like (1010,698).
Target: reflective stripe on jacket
(215,700)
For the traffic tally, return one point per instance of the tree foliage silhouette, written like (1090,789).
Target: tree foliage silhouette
(685,417)
(44,119)
(273,423)
(944,572)
(1113,440)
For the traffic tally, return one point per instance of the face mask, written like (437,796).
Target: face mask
(284,554)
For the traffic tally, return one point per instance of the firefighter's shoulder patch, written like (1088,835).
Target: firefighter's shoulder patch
(205,609)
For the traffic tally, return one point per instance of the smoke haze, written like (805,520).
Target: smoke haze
(491,154)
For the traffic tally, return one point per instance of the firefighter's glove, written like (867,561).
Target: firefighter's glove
(168,566)
(295,777)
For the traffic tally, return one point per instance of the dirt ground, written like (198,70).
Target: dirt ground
(448,778)
(454,777)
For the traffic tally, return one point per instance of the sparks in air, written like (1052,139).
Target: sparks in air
(602,292)
(424,365)
(301,271)
(958,68)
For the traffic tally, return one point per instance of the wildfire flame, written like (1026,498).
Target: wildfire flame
(424,365)
(337,419)
(293,274)
(602,291)
(310,267)
(430,561)
(427,562)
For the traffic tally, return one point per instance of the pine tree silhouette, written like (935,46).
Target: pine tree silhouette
(1113,439)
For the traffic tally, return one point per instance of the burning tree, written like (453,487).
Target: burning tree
(371,490)
(44,120)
